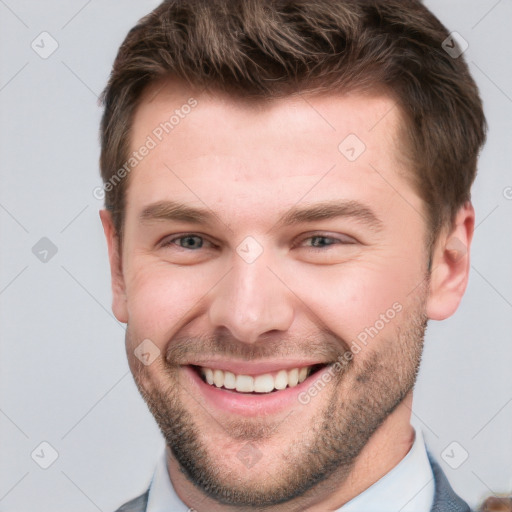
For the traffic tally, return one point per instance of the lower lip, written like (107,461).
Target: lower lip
(245,404)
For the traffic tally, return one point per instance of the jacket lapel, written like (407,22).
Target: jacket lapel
(445,499)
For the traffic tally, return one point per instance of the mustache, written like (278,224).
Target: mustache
(322,345)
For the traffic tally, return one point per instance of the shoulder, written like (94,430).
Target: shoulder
(136,505)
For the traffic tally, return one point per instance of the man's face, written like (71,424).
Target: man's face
(256,285)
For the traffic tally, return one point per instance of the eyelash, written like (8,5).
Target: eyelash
(338,241)
(351,241)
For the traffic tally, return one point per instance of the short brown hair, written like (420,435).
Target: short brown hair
(265,49)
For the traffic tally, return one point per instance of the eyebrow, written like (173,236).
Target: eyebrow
(175,211)
(331,210)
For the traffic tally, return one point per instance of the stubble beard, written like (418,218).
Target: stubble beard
(372,389)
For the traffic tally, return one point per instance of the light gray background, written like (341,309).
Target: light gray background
(63,372)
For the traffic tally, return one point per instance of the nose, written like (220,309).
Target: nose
(251,300)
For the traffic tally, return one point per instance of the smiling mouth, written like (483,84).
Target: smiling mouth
(256,384)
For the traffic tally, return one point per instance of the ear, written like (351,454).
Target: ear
(119,306)
(450,265)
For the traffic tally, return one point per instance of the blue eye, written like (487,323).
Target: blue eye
(192,242)
(195,242)
(322,241)
(319,241)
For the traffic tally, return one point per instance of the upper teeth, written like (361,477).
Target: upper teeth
(260,383)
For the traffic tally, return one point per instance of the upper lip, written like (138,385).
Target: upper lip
(254,367)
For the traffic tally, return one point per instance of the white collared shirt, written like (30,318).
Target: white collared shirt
(408,487)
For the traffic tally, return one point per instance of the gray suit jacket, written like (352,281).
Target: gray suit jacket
(445,500)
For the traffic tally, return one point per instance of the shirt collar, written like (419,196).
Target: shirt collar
(408,487)
(162,496)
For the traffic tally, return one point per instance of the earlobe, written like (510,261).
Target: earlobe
(119,306)
(450,265)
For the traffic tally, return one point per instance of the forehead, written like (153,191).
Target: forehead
(229,148)
(217,115)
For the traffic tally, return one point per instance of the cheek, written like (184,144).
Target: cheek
(353,298)
(161,297)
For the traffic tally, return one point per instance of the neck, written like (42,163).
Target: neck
(386,448)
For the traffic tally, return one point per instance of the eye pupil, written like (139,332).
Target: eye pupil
(190,241)
(322,239)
